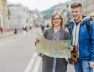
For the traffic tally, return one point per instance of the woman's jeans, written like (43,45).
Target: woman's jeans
(83,66)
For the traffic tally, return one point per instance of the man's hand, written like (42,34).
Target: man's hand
(92,64)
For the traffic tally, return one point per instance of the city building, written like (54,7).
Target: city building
(4,13)
(64,9)
(19,16)
(37,18)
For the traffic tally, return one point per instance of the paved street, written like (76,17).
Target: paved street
(17,53)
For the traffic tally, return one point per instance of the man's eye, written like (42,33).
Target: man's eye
(76,11)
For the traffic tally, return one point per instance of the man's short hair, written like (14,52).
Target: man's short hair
(76,4)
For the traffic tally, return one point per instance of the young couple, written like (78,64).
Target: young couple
(81,32)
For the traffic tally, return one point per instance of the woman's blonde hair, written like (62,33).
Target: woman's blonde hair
(62,21)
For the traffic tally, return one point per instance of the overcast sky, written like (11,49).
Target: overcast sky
(37,4)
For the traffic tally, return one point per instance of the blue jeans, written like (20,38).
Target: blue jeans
(83,66)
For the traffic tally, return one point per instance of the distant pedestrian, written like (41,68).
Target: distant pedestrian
(24,32)
(15,31)
(25,29)
(42,28)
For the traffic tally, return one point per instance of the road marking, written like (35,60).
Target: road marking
(37,65)
(31,63)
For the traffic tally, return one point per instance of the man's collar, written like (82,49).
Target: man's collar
(80,20)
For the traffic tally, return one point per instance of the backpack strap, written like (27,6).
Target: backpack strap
(88,27)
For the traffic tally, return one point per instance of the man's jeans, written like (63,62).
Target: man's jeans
(83,66)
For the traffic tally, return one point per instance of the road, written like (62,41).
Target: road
(17,53)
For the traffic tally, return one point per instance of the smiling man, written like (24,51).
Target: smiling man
(82,38)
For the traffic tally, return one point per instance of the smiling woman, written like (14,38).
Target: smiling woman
(53,63)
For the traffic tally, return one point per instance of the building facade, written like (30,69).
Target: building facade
(4,13)
(19,16)
(37,18)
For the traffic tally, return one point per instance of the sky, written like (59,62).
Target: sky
(37,4)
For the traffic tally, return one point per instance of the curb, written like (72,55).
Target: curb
(6,34)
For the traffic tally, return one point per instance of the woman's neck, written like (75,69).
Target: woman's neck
(56,28)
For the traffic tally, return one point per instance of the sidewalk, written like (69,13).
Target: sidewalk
(6,34)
